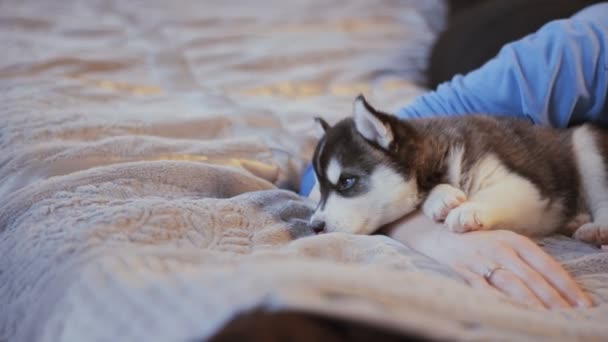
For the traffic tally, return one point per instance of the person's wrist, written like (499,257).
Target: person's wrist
(417,231)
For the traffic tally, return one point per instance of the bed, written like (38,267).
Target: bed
(149,154)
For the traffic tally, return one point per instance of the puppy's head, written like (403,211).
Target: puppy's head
(365,170)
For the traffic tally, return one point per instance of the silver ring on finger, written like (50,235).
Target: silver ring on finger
(490,271)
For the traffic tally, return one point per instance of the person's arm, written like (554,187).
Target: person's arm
(557,76)
(526,274)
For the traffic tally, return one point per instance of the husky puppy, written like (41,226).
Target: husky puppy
(470,172)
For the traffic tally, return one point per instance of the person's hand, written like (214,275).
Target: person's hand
(499,259)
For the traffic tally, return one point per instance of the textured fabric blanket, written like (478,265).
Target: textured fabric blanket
(147,149)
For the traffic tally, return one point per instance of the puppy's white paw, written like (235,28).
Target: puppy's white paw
(593,232)
(467,217)
(441,200)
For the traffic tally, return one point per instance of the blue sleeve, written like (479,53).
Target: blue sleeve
(555,76)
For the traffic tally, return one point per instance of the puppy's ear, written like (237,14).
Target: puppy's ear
(371,124)
(321,126)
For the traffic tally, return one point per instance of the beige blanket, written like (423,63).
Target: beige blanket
(142,148)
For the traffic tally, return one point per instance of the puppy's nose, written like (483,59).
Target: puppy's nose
(318,226)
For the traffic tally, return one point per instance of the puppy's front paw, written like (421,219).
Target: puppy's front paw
(593,232)
(467,217)
(441,200)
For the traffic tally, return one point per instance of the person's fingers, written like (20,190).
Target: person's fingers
(544,291)
(551,270)
(475,280)
(510,284)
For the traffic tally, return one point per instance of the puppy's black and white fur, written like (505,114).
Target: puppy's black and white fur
(471,172)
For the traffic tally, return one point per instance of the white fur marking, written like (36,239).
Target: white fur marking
(455,165)
(334,170)
(593,177)
(484,173)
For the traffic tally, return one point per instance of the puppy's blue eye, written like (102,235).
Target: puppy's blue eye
(346,182)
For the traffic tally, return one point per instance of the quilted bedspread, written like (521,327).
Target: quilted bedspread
(148,155)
